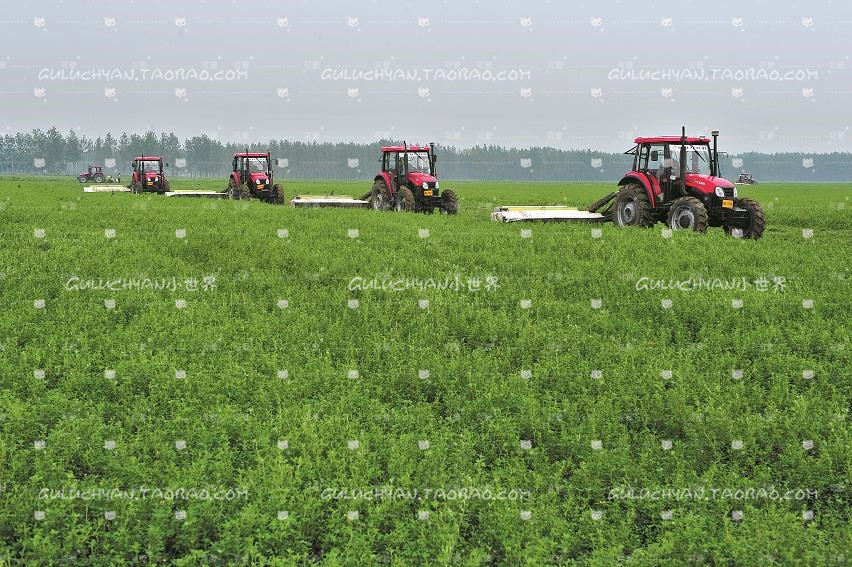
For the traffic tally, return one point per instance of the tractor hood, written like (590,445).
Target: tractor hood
(152,174)
(707,183)
(418,178)
(258,176)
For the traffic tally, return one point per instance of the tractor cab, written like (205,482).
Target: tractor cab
(253,169)
(148,175)
(252,176)
(408,180)
(411,166)
(679,166)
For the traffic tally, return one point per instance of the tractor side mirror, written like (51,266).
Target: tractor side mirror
(655,155)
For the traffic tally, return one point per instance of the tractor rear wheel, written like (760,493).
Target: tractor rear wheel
(449,202)
(632,207)
(756,224)
(165,187)
(688,213)
(380,199)
(98,178)
(405,202)
(277,197)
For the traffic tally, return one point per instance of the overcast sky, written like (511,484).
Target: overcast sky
(772,76)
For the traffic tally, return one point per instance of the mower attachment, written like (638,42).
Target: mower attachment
(105,189)
(531,213)
(328,201)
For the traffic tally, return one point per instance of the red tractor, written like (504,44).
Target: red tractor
(746,178)
(676,180)
(148,175)
(408,181)
(251,176)
(95,174)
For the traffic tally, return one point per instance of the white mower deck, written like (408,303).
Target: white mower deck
(533,213)
(328,201)
(105,189)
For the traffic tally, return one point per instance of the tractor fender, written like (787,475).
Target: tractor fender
(235,176)
(652,187)
(386,176)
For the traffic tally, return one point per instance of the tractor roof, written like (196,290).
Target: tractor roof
(671,140)
(402,149)
(251,154)
(148,158)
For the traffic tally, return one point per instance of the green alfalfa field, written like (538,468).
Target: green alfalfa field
(551,409)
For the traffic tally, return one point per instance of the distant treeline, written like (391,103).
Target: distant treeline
(51,153)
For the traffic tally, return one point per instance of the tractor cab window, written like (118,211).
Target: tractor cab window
(256,164)
(418,161)
(150,166)
(653,158)
(392,163)
(697,158)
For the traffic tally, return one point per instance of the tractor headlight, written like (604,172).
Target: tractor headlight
(720,192)
(425,185)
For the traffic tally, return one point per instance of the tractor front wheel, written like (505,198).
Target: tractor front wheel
(406,201)
(244,192)
(136,187)
(380,199)
(82,179)
(449,202)
(688,213)
(277,195)
(633,207)
(756,222)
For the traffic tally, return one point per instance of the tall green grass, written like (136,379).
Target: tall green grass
(507,397)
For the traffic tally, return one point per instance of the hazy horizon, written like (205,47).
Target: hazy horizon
(770,78)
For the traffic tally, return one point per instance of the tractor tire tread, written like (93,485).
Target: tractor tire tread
(758,221)
(644,215)
(702,219)
(449,202)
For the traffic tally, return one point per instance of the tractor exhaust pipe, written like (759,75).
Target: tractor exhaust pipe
(404,177)
(715,171)
(683,161)
(434,159)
